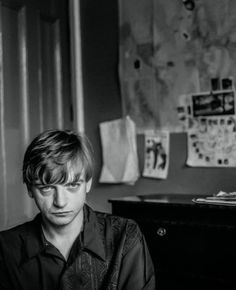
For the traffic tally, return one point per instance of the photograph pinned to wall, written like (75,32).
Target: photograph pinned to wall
(215,84)
(211,125)
(212,142)
(218,84)
(215,146)
(227,83)
(213,103)
(184,111)
(156,159)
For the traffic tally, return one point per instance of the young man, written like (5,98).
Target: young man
(68,245)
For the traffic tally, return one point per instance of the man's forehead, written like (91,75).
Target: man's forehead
(75,174)
(75,178)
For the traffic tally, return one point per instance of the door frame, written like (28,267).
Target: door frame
(76,65)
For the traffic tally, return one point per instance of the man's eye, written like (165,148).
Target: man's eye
(73,185)
(45,188)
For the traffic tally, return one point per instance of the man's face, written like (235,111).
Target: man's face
(61,204)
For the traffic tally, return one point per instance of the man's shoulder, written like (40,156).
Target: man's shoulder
(116,221)
(12,236)
(120,226)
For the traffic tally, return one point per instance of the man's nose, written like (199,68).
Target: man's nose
(60,198)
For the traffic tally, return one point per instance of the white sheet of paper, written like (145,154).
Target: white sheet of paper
(120,159)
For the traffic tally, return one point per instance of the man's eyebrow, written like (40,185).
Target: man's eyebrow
(41,184)
(36,183)
(77,179)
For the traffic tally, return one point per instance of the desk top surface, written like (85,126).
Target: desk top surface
(175,199)
(158,198)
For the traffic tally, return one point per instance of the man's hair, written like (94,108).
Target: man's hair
(56,157)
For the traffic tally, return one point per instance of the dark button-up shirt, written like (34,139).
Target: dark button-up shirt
(110,253)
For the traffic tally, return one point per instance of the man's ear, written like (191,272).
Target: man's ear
(88,185)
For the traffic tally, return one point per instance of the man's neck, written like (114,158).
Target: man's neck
(63,237)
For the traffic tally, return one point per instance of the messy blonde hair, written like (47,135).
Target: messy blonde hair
(56,157)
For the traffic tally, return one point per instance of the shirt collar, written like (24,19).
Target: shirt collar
(33,238)
(91,236)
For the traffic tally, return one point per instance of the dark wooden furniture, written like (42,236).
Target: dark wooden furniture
(193,246)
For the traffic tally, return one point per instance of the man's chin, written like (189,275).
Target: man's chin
(60,220)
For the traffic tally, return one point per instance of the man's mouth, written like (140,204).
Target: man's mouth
(61,213)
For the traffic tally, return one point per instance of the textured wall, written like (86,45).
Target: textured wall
(103,102)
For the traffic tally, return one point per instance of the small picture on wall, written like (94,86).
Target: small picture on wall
(212,142)
(156,161)
(215,84)
(219,103)
(227,83)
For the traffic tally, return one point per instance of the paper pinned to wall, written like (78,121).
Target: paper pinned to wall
(213,144)
(212,129)
(119,148)
(156,162)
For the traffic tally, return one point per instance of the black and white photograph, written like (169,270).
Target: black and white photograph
(117,145)
(219,103)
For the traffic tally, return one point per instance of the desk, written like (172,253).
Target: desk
(193,246)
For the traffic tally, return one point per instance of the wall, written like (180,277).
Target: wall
(103,102)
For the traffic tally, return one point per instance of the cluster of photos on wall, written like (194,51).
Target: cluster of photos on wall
(177,73)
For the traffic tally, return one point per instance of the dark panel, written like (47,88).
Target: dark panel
(99,24)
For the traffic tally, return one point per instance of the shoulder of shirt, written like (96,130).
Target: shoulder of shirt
(16,229)
(12,238)
(121,227)
(116,221)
